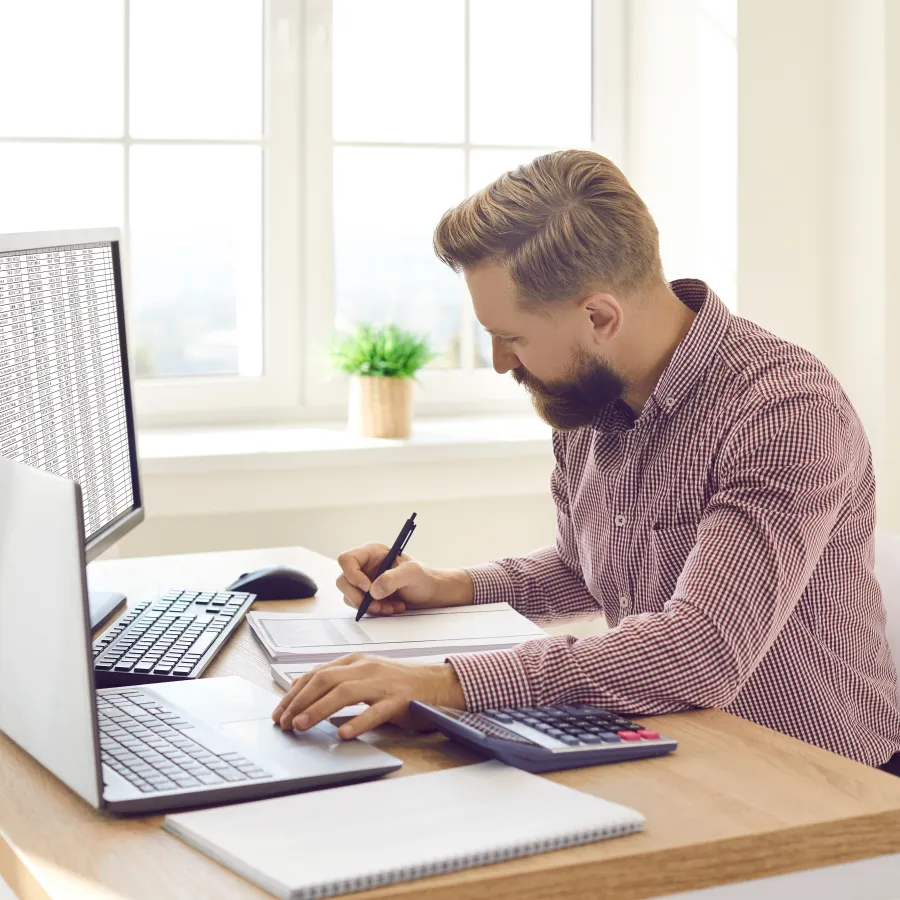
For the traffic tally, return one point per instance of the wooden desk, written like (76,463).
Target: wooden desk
(736,801)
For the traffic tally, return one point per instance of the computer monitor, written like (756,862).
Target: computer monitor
(65,390)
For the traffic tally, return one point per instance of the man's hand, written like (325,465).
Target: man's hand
(407,585)
(387,685)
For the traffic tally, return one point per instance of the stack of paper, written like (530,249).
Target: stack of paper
(323,637)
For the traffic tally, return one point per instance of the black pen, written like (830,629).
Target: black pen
(402,539)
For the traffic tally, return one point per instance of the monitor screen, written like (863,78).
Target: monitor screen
(65,399)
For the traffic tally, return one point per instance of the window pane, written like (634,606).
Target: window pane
(399,70)
(61,68)
(196,260)
(486,166)
(44,187)
(196,68)
(481,345)
(530,72)
(387,203)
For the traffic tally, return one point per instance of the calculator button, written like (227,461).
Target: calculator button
(498,716)
(591,738)
(629,736)
(585,736)
(568,739)
(610,738)
(649,735)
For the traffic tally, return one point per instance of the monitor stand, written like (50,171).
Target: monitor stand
(103,604)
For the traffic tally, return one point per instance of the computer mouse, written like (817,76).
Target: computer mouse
(275,583)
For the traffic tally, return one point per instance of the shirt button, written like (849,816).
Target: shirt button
(669,402)
(620,521)
(624,600)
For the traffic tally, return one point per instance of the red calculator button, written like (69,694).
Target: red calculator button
(628,735)
(649,735)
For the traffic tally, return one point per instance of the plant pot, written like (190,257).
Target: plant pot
(381,407)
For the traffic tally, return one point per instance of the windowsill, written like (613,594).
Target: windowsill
(169,451)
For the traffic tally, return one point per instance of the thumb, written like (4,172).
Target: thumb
(392,580)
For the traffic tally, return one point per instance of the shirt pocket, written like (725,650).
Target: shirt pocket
(669,547)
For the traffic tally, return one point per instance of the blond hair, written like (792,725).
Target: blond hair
(564,222)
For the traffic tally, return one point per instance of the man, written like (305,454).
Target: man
(714,492)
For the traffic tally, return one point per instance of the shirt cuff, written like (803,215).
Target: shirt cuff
(493,680)
(491,584)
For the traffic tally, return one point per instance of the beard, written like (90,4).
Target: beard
(576,401)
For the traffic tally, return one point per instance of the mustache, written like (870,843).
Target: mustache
(522,376)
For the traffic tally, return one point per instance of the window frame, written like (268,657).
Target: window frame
(298,280)
(440,391)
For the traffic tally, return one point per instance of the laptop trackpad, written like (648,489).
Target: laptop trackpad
(296,751)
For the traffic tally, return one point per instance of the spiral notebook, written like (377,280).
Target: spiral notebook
(362,836)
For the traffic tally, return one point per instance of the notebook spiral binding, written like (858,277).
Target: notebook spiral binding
(483,858)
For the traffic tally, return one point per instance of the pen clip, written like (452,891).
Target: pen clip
(409,533)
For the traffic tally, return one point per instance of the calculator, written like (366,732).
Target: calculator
(547,738)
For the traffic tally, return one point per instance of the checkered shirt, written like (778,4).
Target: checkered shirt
(726,535)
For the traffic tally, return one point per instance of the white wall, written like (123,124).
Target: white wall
(680,151)
(818,193)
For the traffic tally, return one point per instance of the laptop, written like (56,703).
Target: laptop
(139,749)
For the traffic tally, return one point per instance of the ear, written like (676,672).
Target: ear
(605,314)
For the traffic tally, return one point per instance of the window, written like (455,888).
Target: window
(277,168)
(429,102)
(432,101)
(174,158)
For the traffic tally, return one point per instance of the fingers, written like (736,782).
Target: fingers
(298,684)
(345,693)
(311,687)
(395,579)
(354,563)
(377,714)
(353,596)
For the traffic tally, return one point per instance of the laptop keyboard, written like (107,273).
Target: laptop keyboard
(145,743)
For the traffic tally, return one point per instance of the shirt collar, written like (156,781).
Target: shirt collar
(697,349)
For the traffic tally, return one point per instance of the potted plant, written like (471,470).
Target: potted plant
(382,362)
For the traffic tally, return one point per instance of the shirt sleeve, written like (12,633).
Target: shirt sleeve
(784,477)
(546,585)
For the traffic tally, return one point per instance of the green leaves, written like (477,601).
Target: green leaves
(385,351)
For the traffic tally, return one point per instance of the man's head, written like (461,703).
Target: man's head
(556,255)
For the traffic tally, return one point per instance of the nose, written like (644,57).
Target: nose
(504,359)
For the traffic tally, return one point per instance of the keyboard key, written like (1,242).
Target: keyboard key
(185,780)
(210,778)
(257,773)
(182,670)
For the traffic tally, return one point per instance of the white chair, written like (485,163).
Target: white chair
(887,571)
